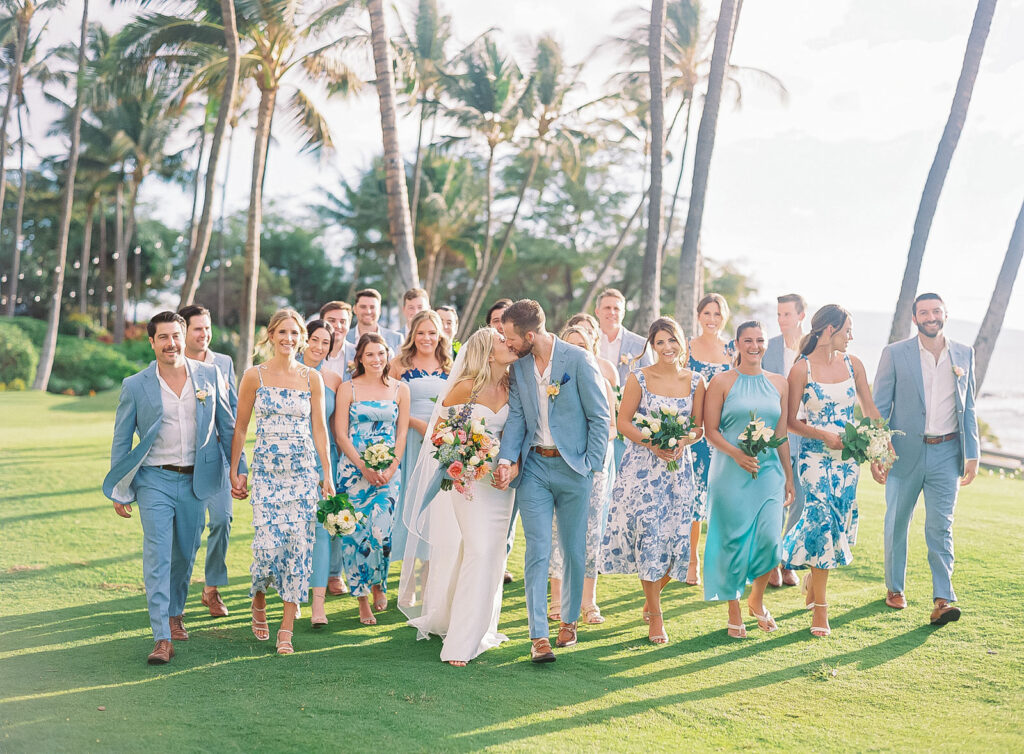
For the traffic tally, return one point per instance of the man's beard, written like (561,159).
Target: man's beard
(921,329)
(521,353)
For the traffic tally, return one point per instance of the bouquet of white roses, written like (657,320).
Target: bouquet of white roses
(379,456)
(664,428)
(338,515)
(757,437)
(869,440)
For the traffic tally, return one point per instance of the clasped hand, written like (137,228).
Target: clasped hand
(504,474)
(239,486)
(670,454)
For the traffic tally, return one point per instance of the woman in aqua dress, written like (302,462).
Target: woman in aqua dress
(319,344)
(745,522)
(288,398)
(710,354)
(423,363)
(371,409)
(827,383)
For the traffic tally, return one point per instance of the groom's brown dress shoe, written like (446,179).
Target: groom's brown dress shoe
(566,635)
(895,600)
(336,586)
(541,651)
(162,653)
(178,632)
(211,598)
(944,613)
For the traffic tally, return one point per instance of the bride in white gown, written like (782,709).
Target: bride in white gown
(454,560)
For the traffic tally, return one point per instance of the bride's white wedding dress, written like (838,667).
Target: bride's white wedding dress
(463,564)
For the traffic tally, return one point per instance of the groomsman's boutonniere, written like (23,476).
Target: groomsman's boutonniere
(958,371)
(625,359)
(201,396)
(456,345)
(351,367)
(555,387)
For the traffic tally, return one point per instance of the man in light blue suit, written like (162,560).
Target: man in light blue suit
(367,313)
(626,350)
(779,355)
(925,388)
(198,333)
(555,437)
(181,413)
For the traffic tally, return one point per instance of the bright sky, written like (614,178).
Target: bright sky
(817,196)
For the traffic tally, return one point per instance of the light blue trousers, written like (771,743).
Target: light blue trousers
(796,508)
(220,509)
(550,489)
(172,527)
(937,477)
(326,557)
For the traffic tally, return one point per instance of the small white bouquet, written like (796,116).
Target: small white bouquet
(757,437)
(665,429)
(338,515)
(379,456)
(869,440)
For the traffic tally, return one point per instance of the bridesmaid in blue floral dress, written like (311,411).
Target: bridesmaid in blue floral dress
(652,507)
(423,363)
(289,402)
(745,522)
(374,409)
(827,383)
(710,354)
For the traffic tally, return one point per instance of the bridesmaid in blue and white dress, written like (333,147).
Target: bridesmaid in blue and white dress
(827,383)
(289,402)
(652,507)
(373,409)
(710,354)
(423,363)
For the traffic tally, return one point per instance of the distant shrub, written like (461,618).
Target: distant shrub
(17,384)
(18,357)
(83,365)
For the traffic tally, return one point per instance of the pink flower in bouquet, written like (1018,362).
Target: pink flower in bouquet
(456,469)
(462,436)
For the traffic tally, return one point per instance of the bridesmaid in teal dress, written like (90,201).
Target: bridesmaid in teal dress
(372,408)
(745,521)
(423,363)
(710,354)
(319,344)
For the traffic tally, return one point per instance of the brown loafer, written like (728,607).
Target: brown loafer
(507,578)
(541,651)
(775,577)
(566,635)
(895,600)
(944,613)
(336,586)
(211,598)
(789,578)
(178,632)
(162,653)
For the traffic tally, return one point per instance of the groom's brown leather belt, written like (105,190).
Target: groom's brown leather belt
(939,439)
(546,452)
(179,469)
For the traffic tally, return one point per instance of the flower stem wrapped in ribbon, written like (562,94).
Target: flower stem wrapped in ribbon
(756,438)
(378,456)
(869,440)
(463,448)
(664,428)
(338,515)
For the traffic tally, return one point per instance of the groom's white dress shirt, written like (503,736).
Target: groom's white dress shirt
(543,435)
(939,392)
(175,443)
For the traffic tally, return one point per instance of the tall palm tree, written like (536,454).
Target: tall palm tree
(687,288)
(985,342)
(940,167)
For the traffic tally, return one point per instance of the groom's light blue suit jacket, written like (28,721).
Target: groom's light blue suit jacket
(578,416)
(139,412)
(899,397)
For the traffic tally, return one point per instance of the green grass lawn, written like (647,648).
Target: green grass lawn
(74,635)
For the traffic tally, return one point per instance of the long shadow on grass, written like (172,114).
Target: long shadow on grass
(34,497)
(47,572)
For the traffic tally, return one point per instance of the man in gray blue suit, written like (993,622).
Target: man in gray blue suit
(925,388)
(180,411)
(367,313)
(779,356)
(557,429)
(198,333)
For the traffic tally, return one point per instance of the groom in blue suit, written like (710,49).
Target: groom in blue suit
(925,388)
(557,429)
(180,411)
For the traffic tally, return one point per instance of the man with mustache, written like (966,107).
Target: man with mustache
(180,410)
(925,388)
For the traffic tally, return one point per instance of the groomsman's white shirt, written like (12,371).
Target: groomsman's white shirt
(543,435)
(788,359)
(175,443)
(609,349)
(339,364)
(939,392)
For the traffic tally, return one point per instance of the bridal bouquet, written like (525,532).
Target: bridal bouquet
(756,438)
(463,449)
(378,456)
(869,440)
(338,515)
(664,428)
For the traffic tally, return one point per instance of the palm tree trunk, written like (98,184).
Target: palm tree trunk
(49,348)
(19,219)
(686,290)
(199,250)
(417,170)
(612,258)
(192,226)
(476,293)
(254,226)
(399,221)
(985,342)
(940,166)
(83,261)
(679,181)
(102,276)
(120,264)
(13,85)
(220,231)
(650,279)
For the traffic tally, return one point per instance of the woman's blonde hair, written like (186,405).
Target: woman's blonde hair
(476,353)
(580,330)
(263,348)
(442,350)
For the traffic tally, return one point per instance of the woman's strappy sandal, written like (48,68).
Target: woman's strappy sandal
(740,631)
(765,622)
(260,628)
(284,646)
(820,631)
(661,638)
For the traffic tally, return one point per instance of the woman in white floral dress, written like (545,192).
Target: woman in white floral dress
(290,422)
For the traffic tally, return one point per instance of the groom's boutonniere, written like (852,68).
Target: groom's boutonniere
(201,396)
(958,371)
(555,387)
